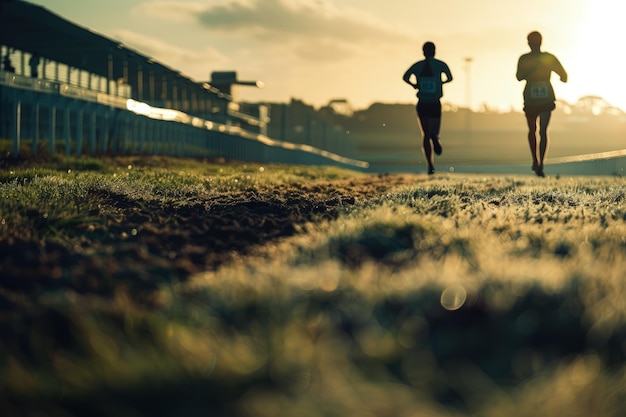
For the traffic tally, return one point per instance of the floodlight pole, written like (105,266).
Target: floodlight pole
(468,121)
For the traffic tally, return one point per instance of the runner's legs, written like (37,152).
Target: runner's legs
(531,120)
(429,115)
(427,149)
(544,120)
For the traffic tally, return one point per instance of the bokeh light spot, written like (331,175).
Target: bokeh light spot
(453,297)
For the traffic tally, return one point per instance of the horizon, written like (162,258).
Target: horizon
(596,106)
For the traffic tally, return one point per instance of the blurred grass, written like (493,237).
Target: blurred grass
(462,295)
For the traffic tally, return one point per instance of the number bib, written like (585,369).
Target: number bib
(539,90)
(428,85)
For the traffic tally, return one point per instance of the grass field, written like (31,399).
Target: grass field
(154,286)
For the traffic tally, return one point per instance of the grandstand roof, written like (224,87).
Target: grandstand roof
(33,28)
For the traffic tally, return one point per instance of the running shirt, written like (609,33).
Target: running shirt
(428,74)
(536,68)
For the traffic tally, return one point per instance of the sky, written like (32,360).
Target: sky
(358,50)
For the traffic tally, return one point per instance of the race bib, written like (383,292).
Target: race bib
(539,89)
(428,84)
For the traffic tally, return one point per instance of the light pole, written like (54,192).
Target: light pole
(468,122)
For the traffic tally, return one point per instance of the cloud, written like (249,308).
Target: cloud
(197,61)
(276,19)
(169,10)
(300,25)
(314,49)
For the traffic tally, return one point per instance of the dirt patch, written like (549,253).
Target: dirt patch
(140,245)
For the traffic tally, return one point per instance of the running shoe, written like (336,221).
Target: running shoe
(437,146)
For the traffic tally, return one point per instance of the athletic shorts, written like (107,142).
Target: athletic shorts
(429,109)
(535,109)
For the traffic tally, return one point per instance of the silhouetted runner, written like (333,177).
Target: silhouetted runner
(536,67)
(427,76)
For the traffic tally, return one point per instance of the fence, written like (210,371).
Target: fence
(53,117)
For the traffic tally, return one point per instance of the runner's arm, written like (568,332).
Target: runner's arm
(448,74)
(520,74)
(407,76)
(558,68)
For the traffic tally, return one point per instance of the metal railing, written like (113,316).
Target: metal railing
(80,120)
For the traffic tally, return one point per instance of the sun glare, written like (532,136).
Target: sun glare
(596,63)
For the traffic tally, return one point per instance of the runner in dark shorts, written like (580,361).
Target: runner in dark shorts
(536,67)
(426,77)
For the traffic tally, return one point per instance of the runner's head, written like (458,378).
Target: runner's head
(429,49)
(534,40)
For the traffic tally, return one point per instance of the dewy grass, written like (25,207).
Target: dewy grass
(460,295)
(61,190)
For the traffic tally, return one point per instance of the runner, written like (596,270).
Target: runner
(536,67)
(426,77)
